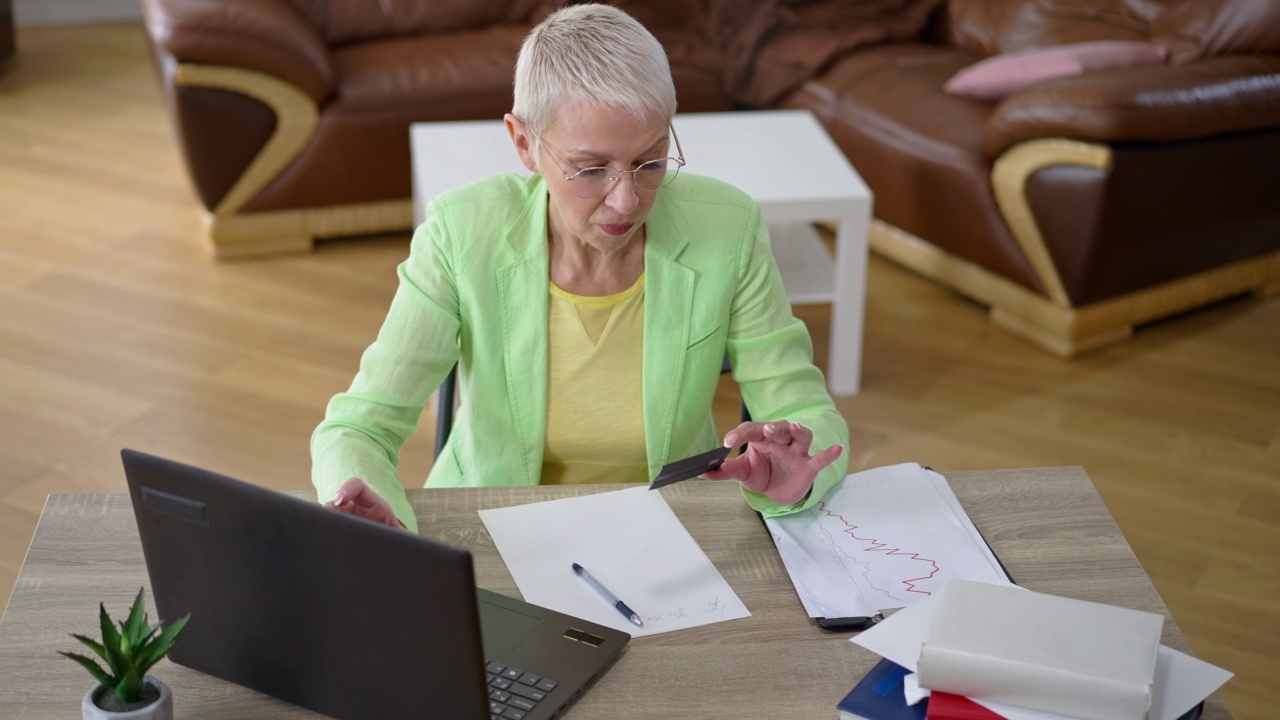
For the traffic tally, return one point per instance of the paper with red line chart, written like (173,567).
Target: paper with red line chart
(880,539)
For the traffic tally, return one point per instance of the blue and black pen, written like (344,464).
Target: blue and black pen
(627,612)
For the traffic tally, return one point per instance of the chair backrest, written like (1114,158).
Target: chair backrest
(446,398)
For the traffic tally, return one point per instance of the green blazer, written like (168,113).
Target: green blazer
(474,291)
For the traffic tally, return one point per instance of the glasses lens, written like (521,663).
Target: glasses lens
(593,182)
(672,170)
(656,173)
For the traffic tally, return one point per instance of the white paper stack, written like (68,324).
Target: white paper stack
(1179,680)
(1043,652)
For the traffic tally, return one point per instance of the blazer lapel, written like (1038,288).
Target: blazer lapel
(668,312)
(522,287)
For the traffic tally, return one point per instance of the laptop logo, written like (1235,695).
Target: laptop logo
(584,637)
(176,506)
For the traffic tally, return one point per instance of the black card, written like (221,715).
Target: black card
(690,467)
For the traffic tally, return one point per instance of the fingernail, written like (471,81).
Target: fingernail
(339,499)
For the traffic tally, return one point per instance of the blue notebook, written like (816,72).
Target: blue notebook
(878,696)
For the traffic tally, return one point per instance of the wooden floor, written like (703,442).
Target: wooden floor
(116,329)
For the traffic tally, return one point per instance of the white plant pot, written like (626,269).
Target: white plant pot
(161,709)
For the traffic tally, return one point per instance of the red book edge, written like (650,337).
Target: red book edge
(945,706)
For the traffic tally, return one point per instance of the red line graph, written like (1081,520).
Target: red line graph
(875,545)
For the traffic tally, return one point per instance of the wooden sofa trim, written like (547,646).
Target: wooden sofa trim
(235,234)
(296,120)
(1067,331)
(284,231)
(1009,175)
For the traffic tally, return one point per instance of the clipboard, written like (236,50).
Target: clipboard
(859,623)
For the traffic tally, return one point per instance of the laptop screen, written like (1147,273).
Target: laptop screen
(338,614)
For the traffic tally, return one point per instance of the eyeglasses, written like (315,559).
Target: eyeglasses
(595,182)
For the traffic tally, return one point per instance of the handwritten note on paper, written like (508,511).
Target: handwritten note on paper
(880,539)
(631,542)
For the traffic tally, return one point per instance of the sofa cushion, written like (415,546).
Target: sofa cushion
(918,148)
(697,64)
(382,87)
(772,46)
(429,71)
(1194,29)
(347,21)
(1161,103)
(997,77)
(697,71)
(992,27)
(262,36)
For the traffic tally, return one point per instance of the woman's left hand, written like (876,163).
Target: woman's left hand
(777,462)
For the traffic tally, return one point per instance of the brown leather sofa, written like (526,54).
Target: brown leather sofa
(1084,205)
(1075,209)
(293,115)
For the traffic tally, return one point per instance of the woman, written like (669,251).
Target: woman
(589,307)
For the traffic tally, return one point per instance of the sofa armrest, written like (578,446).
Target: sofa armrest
(1159,103)
(263,35)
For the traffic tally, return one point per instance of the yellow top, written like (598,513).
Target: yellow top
(595,414)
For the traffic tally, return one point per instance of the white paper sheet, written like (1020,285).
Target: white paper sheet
(880,539)
(632,542)
(1181,681)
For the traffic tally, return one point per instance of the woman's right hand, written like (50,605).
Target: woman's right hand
(357,498)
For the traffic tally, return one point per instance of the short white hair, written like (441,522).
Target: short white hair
(593,54)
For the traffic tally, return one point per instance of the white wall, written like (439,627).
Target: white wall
(49,12)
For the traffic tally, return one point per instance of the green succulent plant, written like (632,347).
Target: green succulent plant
(130,651)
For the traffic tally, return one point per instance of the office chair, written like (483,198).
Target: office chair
(446,397)
(445,400)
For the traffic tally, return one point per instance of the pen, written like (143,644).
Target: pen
(627,612)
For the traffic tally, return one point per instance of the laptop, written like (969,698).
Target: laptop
(344,616)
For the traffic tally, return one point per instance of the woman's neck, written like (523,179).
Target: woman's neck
(582,269)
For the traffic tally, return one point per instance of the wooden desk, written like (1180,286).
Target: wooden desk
(1048,526)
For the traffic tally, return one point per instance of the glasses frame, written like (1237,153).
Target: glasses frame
(615,175)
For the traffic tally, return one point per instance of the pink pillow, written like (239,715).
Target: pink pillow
(1001,75)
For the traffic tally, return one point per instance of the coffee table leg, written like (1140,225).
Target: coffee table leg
(844,364)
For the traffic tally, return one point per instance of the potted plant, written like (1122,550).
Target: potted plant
(124,690)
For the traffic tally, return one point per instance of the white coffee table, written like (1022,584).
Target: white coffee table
(784,159)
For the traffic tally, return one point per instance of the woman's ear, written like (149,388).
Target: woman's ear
(523,141)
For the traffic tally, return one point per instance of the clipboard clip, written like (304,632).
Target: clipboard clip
(847,624)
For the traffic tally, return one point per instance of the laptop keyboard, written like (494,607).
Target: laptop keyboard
(514,693)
